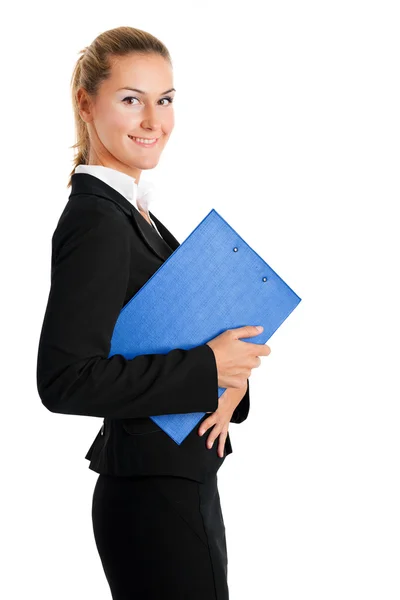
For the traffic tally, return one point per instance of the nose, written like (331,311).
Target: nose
(151,121)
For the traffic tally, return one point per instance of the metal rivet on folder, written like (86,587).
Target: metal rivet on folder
(235,249)
(264,279)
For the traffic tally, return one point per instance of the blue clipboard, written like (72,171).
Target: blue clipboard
(212,282)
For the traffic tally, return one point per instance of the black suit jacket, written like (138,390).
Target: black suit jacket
(103,252)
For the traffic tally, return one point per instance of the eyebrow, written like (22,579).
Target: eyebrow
(142,92)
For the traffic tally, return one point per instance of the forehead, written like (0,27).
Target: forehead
(150,73)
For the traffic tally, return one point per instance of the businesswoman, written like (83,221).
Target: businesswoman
(156,510)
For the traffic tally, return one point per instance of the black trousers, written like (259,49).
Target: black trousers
(161,537)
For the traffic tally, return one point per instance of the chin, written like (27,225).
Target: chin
(149,163)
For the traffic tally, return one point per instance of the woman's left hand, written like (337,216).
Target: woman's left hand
(221,418)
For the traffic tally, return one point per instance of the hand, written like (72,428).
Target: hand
(220,419)
(236,358)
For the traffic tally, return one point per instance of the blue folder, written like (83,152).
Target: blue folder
(212,282)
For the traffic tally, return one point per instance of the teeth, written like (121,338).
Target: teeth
(143,140)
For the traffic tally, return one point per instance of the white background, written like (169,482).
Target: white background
(287,123)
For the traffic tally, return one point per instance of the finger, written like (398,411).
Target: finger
(246,331)
(221,444)
(259,349)
(206,424)
(213,436)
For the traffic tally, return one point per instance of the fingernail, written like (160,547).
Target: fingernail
(260,327)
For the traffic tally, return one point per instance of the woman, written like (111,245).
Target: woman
(156,511)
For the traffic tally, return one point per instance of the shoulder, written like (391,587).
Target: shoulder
(87,214)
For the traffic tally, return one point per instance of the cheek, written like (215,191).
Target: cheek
(114,123)
(170,122)
(121,122)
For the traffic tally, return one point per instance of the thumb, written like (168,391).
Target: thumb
(248,331)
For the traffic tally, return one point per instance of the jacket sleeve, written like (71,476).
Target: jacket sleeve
(242,410)
(89,275)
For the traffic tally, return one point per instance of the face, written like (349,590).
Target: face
(118,112)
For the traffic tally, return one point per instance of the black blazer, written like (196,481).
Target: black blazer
(103,252)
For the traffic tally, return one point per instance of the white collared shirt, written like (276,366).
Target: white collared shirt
(139,195)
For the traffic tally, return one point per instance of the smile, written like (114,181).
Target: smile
(144,142)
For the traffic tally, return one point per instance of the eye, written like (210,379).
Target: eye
(128,98)
(169,98)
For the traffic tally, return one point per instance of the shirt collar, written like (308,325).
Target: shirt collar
(140,195)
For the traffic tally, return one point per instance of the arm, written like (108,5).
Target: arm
(242,410)
(89,276)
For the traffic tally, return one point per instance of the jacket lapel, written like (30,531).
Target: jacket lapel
(84,183)
(162,246)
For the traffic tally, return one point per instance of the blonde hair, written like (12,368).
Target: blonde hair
(94,66)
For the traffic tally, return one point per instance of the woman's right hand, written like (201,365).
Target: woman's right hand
(235,359)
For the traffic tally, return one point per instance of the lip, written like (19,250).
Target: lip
(145,145)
